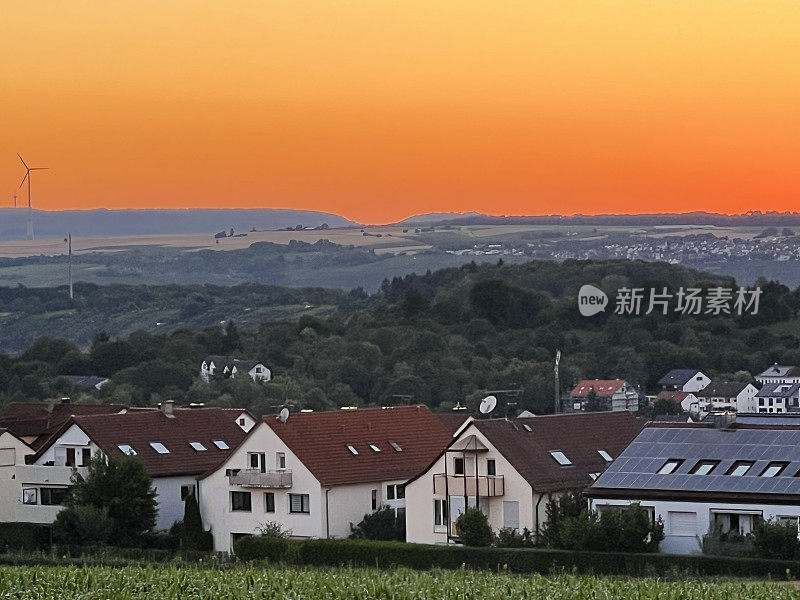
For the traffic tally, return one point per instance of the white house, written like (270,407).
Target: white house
(175,445)
(226,366)
(318,472)
(779,374)
(608,394)
(13,451)
(733,395)
(693,478)
(510,469)
(778,398)
(684,380)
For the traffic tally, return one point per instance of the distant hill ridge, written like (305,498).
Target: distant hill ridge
(104,222)
(752,219)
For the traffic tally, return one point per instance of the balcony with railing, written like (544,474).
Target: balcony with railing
(486,486)
(255,478)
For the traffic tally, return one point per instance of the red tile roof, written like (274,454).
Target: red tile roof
(34,419)
(320,441)
(578,436)
(453,420)
(139,428)
(601,387)
(677,397)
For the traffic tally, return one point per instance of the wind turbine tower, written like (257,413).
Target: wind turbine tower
(28,170)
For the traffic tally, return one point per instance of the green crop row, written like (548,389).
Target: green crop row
(148,583)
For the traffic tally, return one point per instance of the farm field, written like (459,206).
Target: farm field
(135,583)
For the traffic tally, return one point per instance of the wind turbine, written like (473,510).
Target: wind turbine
(28,170)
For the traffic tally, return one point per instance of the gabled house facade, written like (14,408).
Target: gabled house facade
(778,398)
(174,444)
(684,380)
(728,395)
(695,478)
(687,401)
(316,473)
(779,374)
(602,394)
(511,469)
(226,366)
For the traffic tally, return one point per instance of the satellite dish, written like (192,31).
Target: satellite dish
(488,404)
(283,415)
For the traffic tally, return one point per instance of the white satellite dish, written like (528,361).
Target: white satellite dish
(488,404)
(284,415)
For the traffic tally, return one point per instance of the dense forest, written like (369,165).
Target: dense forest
(439,338)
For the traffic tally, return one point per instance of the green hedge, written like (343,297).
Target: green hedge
(24,536)
(362,553)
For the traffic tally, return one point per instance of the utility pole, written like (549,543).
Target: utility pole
(69,237)
(558,385)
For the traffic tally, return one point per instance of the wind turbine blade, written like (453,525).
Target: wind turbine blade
(23,180)
(39,169)
(23,162)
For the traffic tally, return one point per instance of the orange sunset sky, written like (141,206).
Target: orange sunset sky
(377,109)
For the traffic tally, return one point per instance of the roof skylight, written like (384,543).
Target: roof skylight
(606,456)
(670,466)
(352,449)
(197,446)
(159,447)
(527,427)
(560,457)
(396,446)
(221,445)
(126,449)
(375,447)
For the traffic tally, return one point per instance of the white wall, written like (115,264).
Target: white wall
(677,542)
(215,507)
(12,452)
(696,383)
(168,496)
(420,495)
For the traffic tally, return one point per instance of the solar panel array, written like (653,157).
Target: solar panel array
(637,467)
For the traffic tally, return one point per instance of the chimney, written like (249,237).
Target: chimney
(166,408)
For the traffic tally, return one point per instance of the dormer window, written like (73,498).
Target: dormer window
(159,447)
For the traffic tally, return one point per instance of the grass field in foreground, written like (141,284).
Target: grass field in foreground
(152,583)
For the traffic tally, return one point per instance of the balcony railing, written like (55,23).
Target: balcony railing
(466,485)
(255,478)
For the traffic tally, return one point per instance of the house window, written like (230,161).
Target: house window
(70,457)
(390,492)
(491,468)
(606,456)
(458,466)
(439,512)
(395,492)
(703,467)
(269,502)
(235,537)
(761,402)
(241,501)
(280,460)
(29,495)
(374,499)
(53,496)
(670,466)
(560,457)
(258,461)
(773,469)
(241,421)
(186,490)
(739,468)
(86,456)
(298,503)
